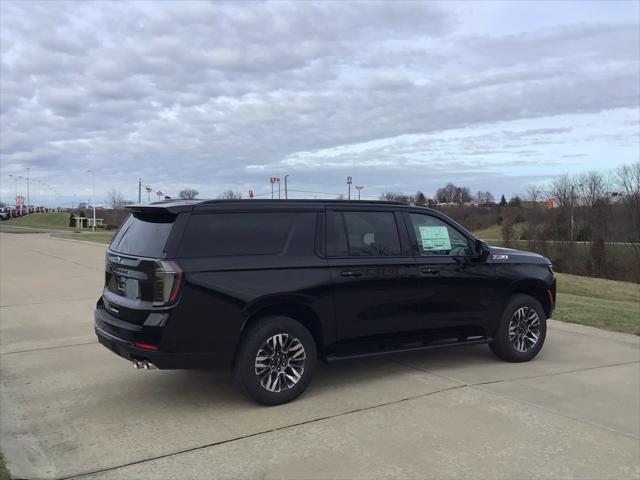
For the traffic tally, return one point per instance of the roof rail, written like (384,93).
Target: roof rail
(304,200)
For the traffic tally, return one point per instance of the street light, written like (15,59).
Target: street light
(15,184)
(349,182)
(286,191)
(28,197)
(19,177)
(93,197)
(359,188)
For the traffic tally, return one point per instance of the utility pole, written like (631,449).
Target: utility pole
(359,188)
(28,197)
(21,196)
(286,191)
(278,189)
(15,185)
(93,197)
(139,190)
(349,182)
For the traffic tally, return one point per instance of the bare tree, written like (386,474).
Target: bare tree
(488,197)
(484,197)
(116,200)
(420,199)
(534,194)
(628,182)
(593,187)
(188,194)
(396,197)
(562,189)
(230,195)
(447,193)
(451,193)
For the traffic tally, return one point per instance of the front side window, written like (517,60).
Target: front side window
(435,237)
(362,234)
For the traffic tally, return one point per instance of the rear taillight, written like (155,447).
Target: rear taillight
(167,282)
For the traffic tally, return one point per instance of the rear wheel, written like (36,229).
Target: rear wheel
(275,361)
(522,330)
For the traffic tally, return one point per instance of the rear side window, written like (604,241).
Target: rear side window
(362,234)
(227,234)
(143,236)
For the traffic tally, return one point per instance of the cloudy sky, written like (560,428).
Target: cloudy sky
(401,96)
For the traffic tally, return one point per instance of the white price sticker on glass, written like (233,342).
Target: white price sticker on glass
(434,238)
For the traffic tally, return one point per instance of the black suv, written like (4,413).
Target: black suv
(269,287)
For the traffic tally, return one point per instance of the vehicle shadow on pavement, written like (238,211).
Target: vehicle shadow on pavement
(211,388)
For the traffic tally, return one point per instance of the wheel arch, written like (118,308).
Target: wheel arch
(537,290)
(294,308)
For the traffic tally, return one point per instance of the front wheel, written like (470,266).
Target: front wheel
(522,330)
(275,361)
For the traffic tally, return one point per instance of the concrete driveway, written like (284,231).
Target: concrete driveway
(71,408)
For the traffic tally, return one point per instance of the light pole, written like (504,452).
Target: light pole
(349,182)
(15,185)
(22,202)
(359,188)
(93,197)
(286,191)
(28,196)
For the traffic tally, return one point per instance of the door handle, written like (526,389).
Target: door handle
(351,273)
(431,271)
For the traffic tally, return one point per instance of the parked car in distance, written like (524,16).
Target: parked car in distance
(267,288)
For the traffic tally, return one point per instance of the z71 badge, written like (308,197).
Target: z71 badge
(500,257)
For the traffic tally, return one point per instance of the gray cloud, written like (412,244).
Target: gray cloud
(222,94)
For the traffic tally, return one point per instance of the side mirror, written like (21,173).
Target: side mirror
(482,250)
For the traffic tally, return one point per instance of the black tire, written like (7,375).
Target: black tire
(285,369)
(510,348)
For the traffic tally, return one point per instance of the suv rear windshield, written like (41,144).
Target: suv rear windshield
(143,236)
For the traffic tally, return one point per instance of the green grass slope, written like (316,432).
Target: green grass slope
(50,220)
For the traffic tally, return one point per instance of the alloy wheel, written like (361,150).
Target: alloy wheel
(524,329)
(280,362)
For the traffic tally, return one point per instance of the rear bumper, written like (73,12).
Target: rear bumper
(120,337)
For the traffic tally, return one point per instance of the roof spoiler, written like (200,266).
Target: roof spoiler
(159,208)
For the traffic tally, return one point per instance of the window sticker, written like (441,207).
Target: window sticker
(434,238)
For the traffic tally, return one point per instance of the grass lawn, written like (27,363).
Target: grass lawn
(490,233)
(49,220)
(598,303)
(99,236)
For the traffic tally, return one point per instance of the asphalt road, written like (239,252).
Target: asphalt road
(69,407)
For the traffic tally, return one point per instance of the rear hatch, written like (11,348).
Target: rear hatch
(138,278)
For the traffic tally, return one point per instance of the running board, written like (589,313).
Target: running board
(332,357)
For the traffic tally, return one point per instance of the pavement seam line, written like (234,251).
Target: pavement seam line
(555,412)
(552,374)
(256,434)
(65,259)
(49,348)
(477,386)
(49,303)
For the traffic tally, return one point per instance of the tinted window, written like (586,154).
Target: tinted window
(435,237)
(143,236)
(221,234)
(336,236)
(367,234)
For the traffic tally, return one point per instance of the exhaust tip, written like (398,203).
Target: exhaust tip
(143,364)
